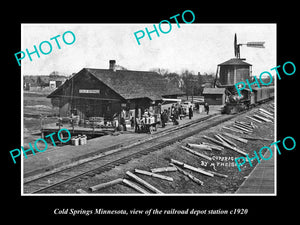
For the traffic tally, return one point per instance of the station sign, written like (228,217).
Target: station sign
(89,91)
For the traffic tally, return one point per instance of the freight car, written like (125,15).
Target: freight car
(235,104)
(260,95)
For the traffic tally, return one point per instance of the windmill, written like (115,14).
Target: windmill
(257,44)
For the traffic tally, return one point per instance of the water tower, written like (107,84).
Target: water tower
(236,69)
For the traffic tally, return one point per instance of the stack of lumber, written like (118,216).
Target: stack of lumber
(225,143)
(196,169)
(134,182)
(196,153)
(143,183)
(205,146)
(263,115)
(241,127)
(199,146)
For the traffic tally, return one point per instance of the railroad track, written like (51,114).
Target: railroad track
(96,165)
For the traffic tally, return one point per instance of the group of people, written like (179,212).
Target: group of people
(173,113)
(177,112)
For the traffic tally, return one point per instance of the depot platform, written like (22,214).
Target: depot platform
(261,179)
(59,156)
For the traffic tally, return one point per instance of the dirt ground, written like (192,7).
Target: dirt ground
(223,162)
(35,104)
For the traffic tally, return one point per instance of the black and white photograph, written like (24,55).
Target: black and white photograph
(173,108)
(119,111)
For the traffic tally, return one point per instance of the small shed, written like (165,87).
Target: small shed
(214,96)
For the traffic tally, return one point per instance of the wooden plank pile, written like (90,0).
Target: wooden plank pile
(260,116)
(224,142)
(137,183)
(241,127)
(263,115)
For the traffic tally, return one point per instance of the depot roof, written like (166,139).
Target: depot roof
(130,84)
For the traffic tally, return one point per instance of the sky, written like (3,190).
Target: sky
(196,47)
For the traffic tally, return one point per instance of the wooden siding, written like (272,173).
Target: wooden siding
(214,99)
(230,75)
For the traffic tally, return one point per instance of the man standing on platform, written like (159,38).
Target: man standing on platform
(206,107)
(122,120)
(163,118)
(190,112)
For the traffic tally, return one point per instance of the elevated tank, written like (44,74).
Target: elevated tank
(233,71)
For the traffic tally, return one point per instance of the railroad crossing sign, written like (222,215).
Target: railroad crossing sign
(256,44)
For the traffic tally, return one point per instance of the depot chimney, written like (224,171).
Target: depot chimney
(112,65)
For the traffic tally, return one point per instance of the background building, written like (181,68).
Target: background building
(214,96)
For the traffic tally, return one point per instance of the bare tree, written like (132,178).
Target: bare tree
(192,84)
(172,77)
(188,84)
(119,67)
(160,71)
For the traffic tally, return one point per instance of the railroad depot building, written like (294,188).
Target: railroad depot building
(105,92)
